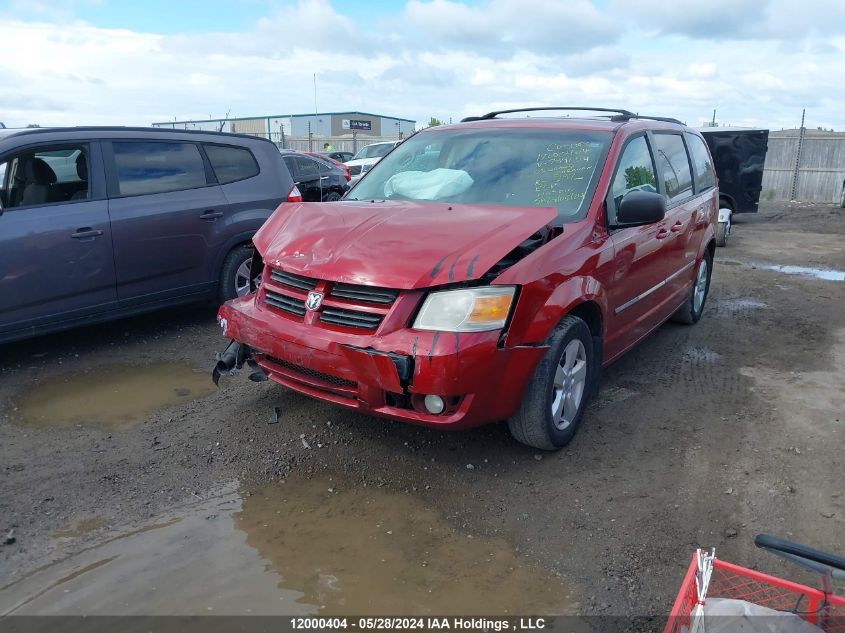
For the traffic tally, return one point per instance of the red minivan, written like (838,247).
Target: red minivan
(484,271)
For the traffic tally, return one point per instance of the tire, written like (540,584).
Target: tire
(693,307)
(535,424)
(234,276)
(722,232)
(333,196)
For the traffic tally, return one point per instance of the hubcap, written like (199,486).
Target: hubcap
(570,381)
(700,286)
(242,278)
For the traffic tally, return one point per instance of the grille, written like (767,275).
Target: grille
(294,281)
(312,373)
(283,302)
(350,318)
(364,293)
(354,170)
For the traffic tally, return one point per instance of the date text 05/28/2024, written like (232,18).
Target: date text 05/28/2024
(418,623)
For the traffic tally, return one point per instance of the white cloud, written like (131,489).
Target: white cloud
(441,59)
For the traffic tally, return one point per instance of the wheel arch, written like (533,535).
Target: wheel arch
(241,239)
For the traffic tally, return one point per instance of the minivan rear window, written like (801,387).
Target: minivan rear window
(157,167)
(509,166)
(672,160)
(231,163)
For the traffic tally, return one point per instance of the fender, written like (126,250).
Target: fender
(243,237)
(537,317)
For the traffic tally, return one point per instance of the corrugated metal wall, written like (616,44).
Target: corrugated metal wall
(820,172)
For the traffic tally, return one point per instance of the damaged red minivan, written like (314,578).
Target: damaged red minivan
(484,271)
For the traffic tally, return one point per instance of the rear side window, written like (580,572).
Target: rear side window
(701,163)
(145,167)
(672,162)
(308,169)
(231,163)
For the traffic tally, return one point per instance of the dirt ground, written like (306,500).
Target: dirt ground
(701,436)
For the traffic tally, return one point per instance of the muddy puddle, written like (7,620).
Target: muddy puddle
(112,397)
(294,548)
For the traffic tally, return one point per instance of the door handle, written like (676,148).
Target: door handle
(661,233)
(677,226)
(211,215)
(86,233)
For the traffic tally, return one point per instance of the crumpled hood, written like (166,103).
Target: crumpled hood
(395,244)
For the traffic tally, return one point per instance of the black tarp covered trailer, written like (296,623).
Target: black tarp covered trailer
(738,156)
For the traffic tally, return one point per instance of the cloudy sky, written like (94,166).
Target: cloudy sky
(758,62)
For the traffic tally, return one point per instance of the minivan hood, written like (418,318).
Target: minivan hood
(395,244)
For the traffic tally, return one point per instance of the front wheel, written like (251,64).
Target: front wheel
(690,312)
(554,401)
(334,196)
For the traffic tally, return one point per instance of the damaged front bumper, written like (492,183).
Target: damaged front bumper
(382,373)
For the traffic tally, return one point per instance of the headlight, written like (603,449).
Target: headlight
(466,310)
(365,168)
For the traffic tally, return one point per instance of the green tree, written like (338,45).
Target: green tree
(637,176)
(434,122)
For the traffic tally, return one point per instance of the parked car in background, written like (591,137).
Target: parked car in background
(338,155)
(317,179)
(368,156)
(485,271)
(98,223)
(334,162)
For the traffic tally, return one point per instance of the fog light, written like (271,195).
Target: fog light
(434,404)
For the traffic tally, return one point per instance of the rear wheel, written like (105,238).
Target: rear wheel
(554,401)
(235,275)
(723,230)
(690,312)
(334,196)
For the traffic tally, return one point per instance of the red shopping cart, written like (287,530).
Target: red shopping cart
(710,578)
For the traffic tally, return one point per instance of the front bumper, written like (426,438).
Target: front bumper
(387,373)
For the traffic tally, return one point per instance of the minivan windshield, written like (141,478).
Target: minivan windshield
(373,151)
(505,166)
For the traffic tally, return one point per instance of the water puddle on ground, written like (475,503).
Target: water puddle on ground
(113,397)
(804,271)
(295,548)
(741,304)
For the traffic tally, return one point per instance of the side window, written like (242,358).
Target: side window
(47,175)
(308,169)
(673,163)
(635,172)
(151,167)
(291,165)
(231,163)
(701,162)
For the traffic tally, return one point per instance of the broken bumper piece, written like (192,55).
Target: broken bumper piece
(385,373)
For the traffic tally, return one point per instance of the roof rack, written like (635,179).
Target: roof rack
(618,114)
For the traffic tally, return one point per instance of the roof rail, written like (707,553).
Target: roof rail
(664,119)
(618,114)
(493,115)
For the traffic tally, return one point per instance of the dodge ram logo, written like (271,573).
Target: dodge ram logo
(314,300)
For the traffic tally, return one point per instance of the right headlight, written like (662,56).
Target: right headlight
(466,310)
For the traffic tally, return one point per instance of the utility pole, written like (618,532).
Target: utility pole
(310,142)
(713,122)
(315,94)
(798,157)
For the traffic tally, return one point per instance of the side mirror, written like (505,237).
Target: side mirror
(641,207)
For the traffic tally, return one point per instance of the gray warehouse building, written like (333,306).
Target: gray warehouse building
(308,132)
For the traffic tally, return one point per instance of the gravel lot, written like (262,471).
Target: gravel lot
(703,435)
